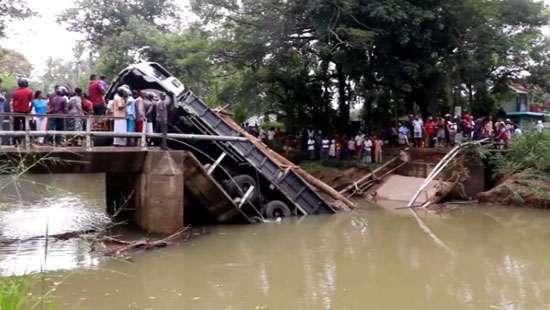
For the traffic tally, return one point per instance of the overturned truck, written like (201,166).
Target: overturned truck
(229,181)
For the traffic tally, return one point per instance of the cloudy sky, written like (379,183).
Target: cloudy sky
(41,37)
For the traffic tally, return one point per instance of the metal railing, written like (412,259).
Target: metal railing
(89,121)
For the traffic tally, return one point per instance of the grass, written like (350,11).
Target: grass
(316,167)
(14,292)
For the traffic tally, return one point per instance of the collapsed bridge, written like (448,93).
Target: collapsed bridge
(213,168)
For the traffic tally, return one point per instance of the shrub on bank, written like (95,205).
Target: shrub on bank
(524,173)
(529,151)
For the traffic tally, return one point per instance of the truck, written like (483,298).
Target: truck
(251,181)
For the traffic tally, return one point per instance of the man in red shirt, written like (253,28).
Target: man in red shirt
(21,103)
(96,92)
(430,129)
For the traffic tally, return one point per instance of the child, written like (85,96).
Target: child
(378,143)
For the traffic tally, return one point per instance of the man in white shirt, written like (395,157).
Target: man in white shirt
(359,144)
(325,144)
(539,126)
(311,148)
(418,127)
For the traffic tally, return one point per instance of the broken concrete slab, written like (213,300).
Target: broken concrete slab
(402,188)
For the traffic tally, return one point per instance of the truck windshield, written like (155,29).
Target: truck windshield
(159,72)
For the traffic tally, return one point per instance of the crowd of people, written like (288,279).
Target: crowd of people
(447,130)
(413,131)
(131,110)
(65,109)
(319,146)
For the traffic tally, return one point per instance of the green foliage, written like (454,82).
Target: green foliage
(125,48)
(316,60)
(276,125)
(388,55)
(99,20)
(62,72)
(531,151)
(14,64)
(13,293)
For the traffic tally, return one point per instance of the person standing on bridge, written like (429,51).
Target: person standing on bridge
(58,105)
(40,106)
(162,118)
(119,111)
(131,117)
(141,118)
(96,93)
(3,106)
(74,109)
(21,103)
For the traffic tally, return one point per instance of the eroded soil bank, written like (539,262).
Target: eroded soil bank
(528,188)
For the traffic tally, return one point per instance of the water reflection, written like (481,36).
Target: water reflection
(40,205)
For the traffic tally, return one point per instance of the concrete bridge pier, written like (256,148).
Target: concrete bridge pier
(160,193)
(156,193)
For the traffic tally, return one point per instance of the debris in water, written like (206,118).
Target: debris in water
(110,246)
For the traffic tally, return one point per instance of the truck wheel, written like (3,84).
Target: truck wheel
(240,184)
(275,209)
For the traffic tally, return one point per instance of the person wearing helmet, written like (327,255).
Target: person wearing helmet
(21,103)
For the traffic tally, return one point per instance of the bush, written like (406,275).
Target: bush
(529,151)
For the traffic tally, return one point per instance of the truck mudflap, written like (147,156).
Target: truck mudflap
(287,181)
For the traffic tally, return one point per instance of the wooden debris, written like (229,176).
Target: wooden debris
(111,246)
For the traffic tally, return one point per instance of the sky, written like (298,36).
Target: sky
(35,37)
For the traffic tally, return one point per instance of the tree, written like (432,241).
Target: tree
(429,55)
(13,10)
(14,63)
(316,60)
(102,20)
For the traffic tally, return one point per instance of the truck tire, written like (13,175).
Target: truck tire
(240,184)
(275,209)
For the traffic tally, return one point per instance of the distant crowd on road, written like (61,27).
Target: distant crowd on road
(319,146)
(414,131)
(447,130)
(65,109)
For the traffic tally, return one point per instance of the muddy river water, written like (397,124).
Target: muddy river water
(370,258)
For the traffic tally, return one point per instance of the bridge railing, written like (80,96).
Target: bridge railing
(91,124)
